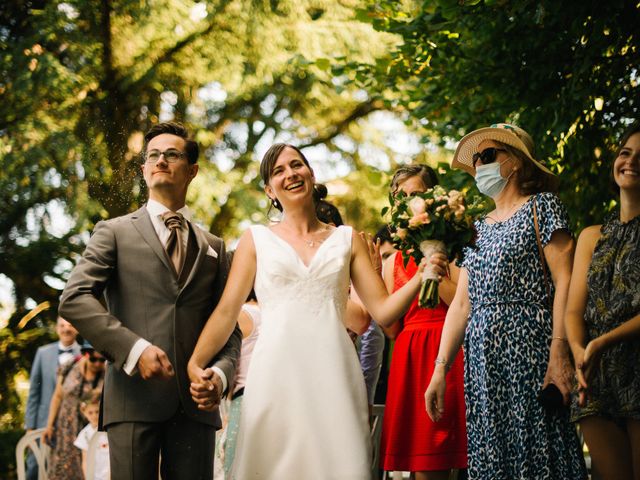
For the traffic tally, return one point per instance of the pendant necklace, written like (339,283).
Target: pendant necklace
(313,243)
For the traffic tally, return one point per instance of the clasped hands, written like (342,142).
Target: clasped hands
(205,388)
(206,385)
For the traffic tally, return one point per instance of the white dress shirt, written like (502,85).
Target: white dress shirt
(156,210)
(66,352)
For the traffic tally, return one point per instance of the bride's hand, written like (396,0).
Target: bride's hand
(205,388)
(438,262)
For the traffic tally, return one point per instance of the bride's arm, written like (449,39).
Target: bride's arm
(222,321)
(384,308)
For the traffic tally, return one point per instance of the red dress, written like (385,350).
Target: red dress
(411,442)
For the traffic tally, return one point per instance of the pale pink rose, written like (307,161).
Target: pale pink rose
(401,233)
(417,220)
(417,205)
(455,198)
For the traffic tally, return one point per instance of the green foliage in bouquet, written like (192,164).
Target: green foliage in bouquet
(437,220)
(436,214)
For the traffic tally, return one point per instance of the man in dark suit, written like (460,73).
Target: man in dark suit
(42,381)
(161,277)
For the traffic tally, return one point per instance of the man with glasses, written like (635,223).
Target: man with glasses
(161,276)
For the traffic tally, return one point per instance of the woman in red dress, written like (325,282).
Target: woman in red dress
(411,442)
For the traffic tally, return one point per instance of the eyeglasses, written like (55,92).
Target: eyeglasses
(93,359)
(487,156)
(170,156)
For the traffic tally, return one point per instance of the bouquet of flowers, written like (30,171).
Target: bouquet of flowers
(434,221)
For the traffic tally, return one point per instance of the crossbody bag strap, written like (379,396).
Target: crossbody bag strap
(541,253)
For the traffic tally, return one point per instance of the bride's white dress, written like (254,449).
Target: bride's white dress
(304,413)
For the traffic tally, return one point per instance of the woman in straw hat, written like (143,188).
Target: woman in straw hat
(510,299)
(603,325)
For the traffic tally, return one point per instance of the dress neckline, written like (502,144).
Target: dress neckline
(513,215)
(295,252)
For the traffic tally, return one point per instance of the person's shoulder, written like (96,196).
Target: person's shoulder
(590,235)
(47,347)
(546,198)
(121,220)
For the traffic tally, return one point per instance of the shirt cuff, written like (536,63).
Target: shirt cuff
(131,364)
(222,376)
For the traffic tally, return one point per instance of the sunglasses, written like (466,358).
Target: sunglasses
(487,156)
(93,359)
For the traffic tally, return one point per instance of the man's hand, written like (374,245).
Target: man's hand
(206,388)
(154,363)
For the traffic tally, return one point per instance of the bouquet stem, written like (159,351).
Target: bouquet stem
(428,297)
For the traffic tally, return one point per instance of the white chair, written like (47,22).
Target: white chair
(31,440)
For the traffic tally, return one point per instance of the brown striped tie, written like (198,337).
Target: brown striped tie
(175,247)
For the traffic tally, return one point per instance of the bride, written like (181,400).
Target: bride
(304,413)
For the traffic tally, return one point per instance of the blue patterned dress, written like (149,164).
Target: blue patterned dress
(510,436)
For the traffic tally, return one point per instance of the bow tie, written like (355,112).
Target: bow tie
(65,350)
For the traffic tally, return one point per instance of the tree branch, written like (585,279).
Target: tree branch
(361,110)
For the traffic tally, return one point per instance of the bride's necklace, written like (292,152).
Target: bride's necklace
(312,242)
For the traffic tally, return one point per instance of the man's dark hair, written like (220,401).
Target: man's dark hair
(174,128)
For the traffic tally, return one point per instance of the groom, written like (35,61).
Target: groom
(161,277)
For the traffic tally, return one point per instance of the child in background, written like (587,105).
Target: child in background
(90,408)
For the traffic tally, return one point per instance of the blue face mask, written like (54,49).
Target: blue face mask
(489,180)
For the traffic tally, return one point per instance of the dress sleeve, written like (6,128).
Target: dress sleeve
(552,216)
(468,250)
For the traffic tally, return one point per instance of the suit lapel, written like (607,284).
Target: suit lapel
(203,245)
(51,358)
(142,222)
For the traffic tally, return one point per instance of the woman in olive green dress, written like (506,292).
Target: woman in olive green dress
(603,326)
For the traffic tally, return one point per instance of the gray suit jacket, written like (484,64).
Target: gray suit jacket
(42,384)
(125,261)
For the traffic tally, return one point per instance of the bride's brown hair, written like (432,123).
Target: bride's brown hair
(269,160)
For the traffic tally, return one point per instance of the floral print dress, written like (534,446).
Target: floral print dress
(613,285)
(65,462)
(507,342)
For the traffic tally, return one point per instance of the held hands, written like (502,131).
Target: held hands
(154,363)
(559,369)
(206,387)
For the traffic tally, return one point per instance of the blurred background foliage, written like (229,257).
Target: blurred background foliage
(361,85)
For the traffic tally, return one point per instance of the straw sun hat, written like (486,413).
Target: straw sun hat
(498,132)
